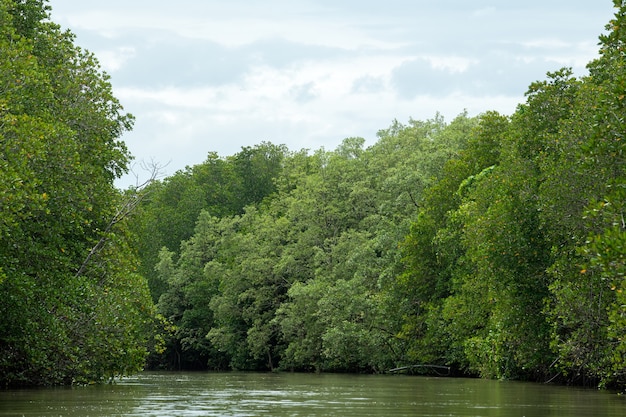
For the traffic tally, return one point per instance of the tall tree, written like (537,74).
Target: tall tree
(73,309)
(587,307)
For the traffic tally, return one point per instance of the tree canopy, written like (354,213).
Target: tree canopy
(66,316)
(492,244)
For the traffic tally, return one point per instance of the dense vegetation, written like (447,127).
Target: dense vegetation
(72,307)
(492,244)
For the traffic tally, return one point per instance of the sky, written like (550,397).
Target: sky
(206,76)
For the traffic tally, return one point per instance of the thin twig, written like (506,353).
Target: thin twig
(128,207)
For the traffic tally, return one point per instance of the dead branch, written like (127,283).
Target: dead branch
(130,203)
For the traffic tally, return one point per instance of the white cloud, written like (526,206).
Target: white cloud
(113,60)
(453,64)
(548,43)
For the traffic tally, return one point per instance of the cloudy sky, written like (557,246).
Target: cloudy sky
(209,75)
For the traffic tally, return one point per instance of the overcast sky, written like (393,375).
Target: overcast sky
(209,75)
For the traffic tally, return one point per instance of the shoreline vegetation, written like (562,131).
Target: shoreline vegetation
(490,246)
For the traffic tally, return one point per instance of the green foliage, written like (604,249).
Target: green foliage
(221,186)
(303,280)
(491,244)
(514,259)
(337,321)
(73,309)
(435,320)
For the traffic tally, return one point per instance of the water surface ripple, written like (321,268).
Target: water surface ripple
(286,394)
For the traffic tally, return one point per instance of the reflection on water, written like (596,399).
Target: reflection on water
(250,394)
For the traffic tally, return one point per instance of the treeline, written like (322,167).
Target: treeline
(73,309)
(302,279)
(492,244)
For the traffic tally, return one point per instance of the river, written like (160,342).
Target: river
(287,394)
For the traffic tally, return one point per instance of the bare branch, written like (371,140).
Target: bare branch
(155,169)
(131,201)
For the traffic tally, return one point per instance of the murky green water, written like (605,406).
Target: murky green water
(248,394)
